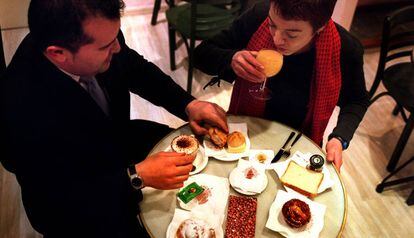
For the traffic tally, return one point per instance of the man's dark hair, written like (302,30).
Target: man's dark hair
(59,22)
(316,12)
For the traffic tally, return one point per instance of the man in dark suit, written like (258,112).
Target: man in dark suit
(65,122)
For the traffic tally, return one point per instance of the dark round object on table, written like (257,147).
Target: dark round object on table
(316,162)
(296,213)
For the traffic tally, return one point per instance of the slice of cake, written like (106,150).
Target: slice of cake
(302,180)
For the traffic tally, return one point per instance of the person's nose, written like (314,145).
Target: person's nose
(278,38)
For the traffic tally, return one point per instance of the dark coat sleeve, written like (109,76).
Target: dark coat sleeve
(214,56)
(353,99)
(148,81)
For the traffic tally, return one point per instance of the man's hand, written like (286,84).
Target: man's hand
(200,112)
(165,170)
(245,65)
(334,152)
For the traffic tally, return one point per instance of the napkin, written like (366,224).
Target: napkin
(219,189)
(269,154)
(277,223)
(303,160)
(222,154)
(198,213)
(254,185)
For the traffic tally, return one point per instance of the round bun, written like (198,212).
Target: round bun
(195,228)
(185,144)
(271,60)
(236,142)
(296,213)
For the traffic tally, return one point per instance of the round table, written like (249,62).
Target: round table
(157,207)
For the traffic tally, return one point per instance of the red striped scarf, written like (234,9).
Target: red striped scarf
(325,85)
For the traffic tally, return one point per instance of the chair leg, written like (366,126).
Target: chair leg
(374,87)
(155,10)
(173,46)
(396,110)
(401,143)
(410,199)
(384,183)
(377,97)
(190,66)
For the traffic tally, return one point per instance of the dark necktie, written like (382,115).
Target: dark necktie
(96,92)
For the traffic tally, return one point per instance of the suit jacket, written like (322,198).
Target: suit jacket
(69,158)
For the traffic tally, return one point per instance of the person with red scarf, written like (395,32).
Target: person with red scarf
(323,68)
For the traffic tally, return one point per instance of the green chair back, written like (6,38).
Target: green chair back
(199,20)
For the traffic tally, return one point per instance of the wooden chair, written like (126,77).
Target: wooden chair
(198,20)
(396,72)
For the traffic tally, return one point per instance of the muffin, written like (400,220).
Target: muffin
(236,142)
(296,213)
(185,144)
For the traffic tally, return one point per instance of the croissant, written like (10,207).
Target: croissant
(217,136)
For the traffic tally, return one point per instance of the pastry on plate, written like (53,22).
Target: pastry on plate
(185,144)
(195,228)
(217,136)
(236,142)
(296,213)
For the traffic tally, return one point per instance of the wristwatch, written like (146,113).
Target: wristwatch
(135,179)
(344,143)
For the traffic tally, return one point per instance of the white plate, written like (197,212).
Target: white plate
(219,190)
(223,154)
(181,215)
(232,178)
(277,223)
(200,162)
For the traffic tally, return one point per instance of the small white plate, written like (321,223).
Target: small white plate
(200,161)
(219,192)
(232,178)
(181,215)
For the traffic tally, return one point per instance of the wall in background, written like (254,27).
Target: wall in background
(13,14)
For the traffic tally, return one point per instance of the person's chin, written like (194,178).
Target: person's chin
(105,67)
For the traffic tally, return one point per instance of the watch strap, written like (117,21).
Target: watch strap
(136,180)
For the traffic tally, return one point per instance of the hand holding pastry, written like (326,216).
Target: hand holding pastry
(165,170)
(201,113)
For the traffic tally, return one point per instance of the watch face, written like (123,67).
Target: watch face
(136,182)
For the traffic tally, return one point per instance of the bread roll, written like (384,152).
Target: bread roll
(236,142)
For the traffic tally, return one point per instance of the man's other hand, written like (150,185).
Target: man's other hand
(334,152)
(201,113)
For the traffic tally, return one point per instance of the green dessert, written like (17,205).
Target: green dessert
(190,192)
